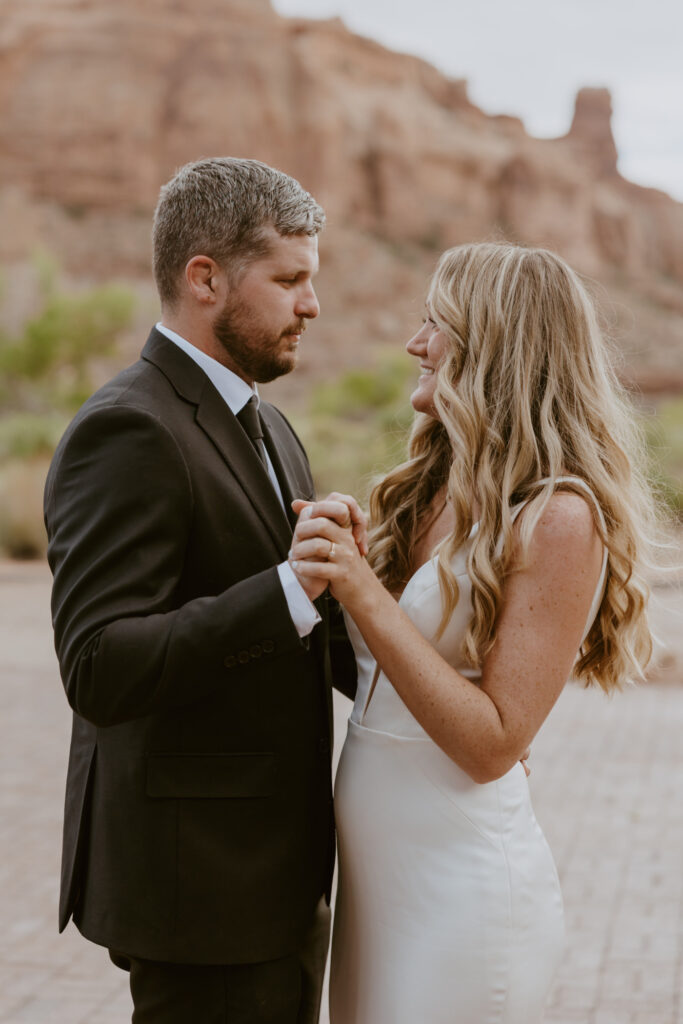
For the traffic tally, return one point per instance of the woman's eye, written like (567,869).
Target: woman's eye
(428,320)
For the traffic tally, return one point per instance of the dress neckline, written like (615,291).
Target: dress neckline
(431,559)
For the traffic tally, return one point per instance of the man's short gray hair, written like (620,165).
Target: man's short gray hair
(220,208)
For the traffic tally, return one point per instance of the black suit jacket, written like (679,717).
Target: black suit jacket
(198,820)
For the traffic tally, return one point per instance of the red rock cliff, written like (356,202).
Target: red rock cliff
(101,99)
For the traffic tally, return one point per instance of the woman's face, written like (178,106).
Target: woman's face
(429,346)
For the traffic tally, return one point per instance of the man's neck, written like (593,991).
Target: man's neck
(233,388)
(202,337)
(195,333)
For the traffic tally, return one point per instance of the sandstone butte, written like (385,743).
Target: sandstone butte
(100,100)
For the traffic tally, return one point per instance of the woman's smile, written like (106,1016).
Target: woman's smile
(429,345)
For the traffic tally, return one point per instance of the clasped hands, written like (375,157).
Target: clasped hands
(329,545)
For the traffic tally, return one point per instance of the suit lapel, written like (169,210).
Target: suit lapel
(217,421)
(282,465)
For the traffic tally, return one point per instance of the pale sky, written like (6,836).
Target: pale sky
(529,58)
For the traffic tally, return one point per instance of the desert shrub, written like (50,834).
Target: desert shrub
(22,531)
(359,394)
(25,434)
(664,435)
(68,332)
(356,426)
(44,377)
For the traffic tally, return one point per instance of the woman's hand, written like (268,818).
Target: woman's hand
(347,513)
(322,549)
(344,510)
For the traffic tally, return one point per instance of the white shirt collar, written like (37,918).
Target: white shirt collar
(234,391)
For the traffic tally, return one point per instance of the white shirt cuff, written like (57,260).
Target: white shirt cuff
(301,608)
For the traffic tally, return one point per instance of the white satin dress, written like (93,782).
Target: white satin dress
(449,908)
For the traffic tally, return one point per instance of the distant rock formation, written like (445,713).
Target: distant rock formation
(591,132)
(100,100)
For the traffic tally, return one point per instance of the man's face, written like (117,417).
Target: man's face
(265,313)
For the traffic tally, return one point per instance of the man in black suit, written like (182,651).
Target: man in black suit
(198,837)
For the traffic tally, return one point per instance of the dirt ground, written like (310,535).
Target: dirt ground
(607,779)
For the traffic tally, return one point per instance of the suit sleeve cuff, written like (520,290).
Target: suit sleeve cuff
(301,608)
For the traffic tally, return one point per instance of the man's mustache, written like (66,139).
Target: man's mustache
(296,328)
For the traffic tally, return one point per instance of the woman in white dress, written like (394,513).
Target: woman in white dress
(505,555)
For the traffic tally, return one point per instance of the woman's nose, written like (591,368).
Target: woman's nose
(417,345)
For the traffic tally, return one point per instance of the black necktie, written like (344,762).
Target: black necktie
(251,424)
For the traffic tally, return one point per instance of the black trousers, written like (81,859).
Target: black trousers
(285,991)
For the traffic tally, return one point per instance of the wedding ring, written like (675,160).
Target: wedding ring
(330,553)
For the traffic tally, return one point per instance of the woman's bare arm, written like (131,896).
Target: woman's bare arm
(486,727)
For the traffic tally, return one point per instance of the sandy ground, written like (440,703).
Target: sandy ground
(607,783)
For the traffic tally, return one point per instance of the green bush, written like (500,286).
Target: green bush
(358,394)
(664,436)
(44,377)
(68,332)
(356,426)
(22,531)
(24,435)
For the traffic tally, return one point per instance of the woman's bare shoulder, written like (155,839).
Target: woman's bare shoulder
(567,528)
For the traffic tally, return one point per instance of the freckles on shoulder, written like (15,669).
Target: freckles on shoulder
(566,536)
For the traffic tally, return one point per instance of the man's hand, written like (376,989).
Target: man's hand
(313,586)
(344,510)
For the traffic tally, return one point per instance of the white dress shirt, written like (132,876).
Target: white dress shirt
(235,392)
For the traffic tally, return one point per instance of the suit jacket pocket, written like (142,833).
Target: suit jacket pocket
(211,776)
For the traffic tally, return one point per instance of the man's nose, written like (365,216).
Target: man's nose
(307,303)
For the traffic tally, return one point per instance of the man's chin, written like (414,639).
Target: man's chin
(285,364)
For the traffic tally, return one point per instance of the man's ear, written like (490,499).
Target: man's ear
(203,278)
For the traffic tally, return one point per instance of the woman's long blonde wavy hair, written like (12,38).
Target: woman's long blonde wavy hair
(525,393)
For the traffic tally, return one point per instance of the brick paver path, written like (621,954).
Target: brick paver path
(608,789)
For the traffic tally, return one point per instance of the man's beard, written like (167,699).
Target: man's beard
(257,353)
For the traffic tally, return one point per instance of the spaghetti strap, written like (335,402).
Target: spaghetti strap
(586,489)
(566,480)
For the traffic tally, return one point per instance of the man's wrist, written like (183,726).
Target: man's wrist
(302,610)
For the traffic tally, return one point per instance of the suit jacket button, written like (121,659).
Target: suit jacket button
(268,646)
(243,657)
(324,745)
(256,650)
(230,661)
